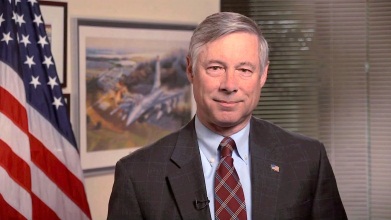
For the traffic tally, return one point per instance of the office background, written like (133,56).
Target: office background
(329,78)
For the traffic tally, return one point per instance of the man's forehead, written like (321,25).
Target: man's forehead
(210,57)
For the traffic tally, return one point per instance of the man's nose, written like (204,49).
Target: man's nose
(229,82)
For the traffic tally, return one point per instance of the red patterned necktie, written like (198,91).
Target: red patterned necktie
(229,197)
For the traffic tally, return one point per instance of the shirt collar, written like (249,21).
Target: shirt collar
(209,142)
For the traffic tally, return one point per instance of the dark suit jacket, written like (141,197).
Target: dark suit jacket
(162,181)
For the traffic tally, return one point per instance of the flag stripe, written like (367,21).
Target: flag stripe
(21,173)
(51,195)
(7,211)
(41,210)
(57,172)
(52,141)
(8,188)
(13,110)
(12,83)
(20,144)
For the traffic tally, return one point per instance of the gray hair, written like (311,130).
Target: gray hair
(221,24)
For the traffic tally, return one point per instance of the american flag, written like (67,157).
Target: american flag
(275,168)
(40,172)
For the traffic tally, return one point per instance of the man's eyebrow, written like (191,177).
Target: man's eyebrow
(216,61)
(241,64)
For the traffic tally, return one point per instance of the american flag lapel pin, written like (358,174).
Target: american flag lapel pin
(275,168)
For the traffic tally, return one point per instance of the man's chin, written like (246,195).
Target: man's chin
(229,123)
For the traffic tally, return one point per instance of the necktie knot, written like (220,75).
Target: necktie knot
(227,146)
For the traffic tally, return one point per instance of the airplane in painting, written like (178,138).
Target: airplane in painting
(157,102)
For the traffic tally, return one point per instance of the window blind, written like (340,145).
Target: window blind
(342,46)
(329,78)
(379,83)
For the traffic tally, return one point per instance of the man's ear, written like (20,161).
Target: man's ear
(189,69)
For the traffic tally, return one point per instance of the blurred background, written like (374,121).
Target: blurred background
(329,78)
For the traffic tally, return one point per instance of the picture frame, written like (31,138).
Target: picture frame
(55,16)
(67,100)
(133,86)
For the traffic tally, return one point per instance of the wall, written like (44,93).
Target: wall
(98,185)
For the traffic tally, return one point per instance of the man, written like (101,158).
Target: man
(275,174)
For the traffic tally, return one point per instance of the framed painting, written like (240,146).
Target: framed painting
(55,16)
(133,86)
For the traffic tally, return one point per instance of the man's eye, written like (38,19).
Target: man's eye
(245,72)
(215,70)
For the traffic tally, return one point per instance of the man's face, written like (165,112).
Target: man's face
(227,82)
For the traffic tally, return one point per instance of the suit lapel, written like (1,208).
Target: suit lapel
(265,170)
(186,177)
